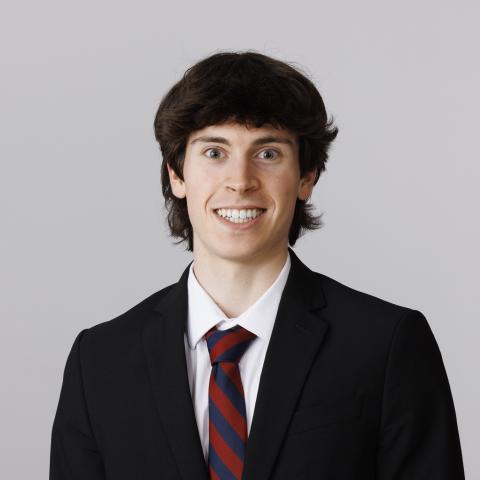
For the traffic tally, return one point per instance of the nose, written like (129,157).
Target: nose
(241,176)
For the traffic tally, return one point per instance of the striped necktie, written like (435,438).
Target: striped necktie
(227,423)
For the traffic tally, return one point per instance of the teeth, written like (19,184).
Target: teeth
(239,216)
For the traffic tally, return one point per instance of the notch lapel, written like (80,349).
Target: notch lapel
(297,334)
(165,354)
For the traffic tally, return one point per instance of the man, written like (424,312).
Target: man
(252,365)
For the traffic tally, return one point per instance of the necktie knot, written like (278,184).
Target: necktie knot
(228,345)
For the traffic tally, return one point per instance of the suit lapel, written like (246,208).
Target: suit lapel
(296,337)
(165,353)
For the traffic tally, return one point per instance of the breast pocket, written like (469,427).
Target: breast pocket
(325,414)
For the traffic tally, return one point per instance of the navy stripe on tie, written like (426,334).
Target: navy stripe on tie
(220,468)
(230,390)
(219,334)
(225,430)
(234,352)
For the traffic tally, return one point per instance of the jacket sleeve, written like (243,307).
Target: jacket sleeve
(418,436)
(74,453)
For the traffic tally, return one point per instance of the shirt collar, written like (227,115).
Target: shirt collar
(259,318)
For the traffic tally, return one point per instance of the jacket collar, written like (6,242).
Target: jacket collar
(298,333)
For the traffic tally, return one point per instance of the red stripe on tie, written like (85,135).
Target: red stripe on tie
(228,342)
(213,474)
(228,456)
(227,409)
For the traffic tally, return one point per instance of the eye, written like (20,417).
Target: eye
(270,152)
(215,150)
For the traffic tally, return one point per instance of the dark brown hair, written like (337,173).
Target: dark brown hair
(254,90)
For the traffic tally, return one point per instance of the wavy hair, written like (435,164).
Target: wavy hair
(252,89)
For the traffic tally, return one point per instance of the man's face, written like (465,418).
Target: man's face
(231,167)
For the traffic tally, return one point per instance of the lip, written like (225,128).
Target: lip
(243,207)
(240,226)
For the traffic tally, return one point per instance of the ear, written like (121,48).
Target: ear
(305,186)
(176,183)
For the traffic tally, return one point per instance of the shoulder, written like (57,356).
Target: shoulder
(135,315)
(373,327)
(338,292)
(120,334)
(363,310)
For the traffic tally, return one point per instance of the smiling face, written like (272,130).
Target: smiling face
(230,166)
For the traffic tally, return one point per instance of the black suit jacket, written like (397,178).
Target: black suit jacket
(353,387)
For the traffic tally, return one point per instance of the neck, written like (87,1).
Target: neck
(235,284)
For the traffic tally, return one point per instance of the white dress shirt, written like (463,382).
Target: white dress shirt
(203,314)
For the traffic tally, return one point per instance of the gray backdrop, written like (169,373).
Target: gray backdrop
(83,232)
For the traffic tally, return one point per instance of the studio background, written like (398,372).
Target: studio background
(84,236)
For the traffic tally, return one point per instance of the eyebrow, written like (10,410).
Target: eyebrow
(257,141)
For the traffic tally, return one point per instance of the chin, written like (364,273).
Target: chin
(240,252)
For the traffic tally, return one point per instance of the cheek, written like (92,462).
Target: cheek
(200,173)
(199,190)
(284,188)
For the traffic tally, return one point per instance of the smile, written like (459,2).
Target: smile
(246,221)
(240,216)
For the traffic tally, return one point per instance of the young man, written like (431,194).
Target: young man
(252,365)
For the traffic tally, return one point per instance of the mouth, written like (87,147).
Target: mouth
(240,215)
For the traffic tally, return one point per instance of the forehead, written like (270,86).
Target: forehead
(236,132)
